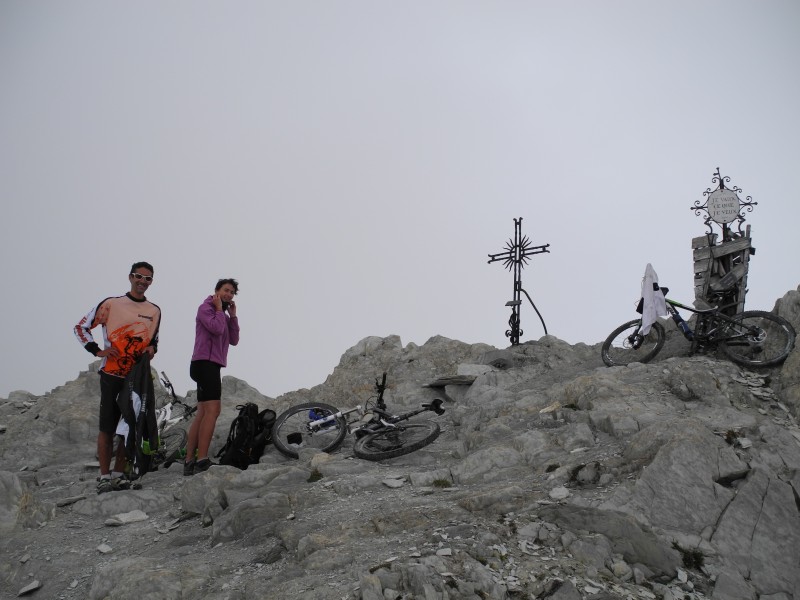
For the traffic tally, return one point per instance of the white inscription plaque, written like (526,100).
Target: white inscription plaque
(723,206)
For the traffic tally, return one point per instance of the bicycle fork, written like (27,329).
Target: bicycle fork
(317,424)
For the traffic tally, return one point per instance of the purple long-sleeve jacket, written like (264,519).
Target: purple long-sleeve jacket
(214,332)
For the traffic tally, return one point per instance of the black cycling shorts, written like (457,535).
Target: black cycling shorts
(110,388)
(207,376)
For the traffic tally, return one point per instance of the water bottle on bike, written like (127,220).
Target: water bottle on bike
(683,325)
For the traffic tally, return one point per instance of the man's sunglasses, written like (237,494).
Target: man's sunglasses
(147,278)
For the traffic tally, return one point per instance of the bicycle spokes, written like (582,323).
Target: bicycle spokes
(389,440)
(757,338)
(627,344)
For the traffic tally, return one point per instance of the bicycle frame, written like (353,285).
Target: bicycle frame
(386,419)
(164,418)
(710,326)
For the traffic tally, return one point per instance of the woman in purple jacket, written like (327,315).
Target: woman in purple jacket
(214,332)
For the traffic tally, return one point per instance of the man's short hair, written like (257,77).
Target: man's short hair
(142,264)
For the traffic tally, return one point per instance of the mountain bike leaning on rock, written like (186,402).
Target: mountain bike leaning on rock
(172,439)
(752,338)
(379,434)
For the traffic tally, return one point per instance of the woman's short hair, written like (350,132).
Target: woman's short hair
(230,280)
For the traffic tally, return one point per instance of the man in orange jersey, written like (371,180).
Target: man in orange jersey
(130,327)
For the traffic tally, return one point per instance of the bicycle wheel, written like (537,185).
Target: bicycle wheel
(170,446)
(389,443)
(757,339)
(625,345)
(292,431)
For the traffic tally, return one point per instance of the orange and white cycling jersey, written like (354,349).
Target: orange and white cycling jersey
(129,325)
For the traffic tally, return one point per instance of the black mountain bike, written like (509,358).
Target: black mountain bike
(752,338)
(379,434)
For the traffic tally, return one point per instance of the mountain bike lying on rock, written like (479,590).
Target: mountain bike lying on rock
(751,338)
(379,434)
(172,439)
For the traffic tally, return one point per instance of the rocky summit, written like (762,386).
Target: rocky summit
(554,477)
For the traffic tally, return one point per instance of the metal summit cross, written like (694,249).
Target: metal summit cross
(516,257)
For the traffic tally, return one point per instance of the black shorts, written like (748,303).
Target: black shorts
(207,376)
(110,388)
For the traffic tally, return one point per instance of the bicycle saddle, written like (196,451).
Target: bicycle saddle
(435,406)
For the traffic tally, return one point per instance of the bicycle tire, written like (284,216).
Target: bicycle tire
(618,351)
(290,432)
(763,339)
(390,443)
(170,445)
(182,411)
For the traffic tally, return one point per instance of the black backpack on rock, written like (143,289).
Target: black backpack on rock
(249,434)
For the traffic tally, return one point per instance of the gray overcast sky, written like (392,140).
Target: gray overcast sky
(353,163)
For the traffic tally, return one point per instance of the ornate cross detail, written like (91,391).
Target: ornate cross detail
(723,206)
(515,257)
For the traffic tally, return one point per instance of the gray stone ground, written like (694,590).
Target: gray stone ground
(554,477)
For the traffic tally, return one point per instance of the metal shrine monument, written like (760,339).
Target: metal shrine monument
(721,266)
(514,258)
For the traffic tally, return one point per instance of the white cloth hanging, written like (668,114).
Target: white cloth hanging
(653,303)
(122,426)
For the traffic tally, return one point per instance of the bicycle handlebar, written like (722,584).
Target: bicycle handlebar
(168,384)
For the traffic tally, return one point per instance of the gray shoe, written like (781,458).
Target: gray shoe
(104,486)
(126,483)
(203,465)
(188,468)
(120,483)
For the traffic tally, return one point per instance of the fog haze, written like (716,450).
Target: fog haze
(353,164)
